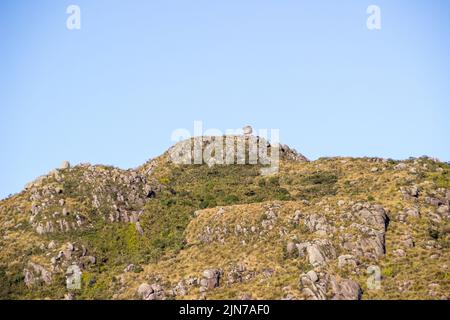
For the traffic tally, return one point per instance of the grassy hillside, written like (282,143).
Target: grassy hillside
(166,231)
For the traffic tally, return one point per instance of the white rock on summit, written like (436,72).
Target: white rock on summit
(65,165)
(248,130)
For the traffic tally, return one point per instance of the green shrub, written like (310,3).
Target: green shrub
(316,185)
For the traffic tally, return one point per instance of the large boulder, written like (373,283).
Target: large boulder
(151,292)
(145,291)
(211,279)
(315,256)
(345,289)
(374,216)
(320,252)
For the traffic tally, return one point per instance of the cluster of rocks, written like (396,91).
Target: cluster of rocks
(290,154)
(48,213)
(183,287)
(238,274)
(71,254)
(270,217)
(359,232)
(220,233)
(35,274)
(348,260)
(347,237)
(213,150)
(120,194)
(323,286)
(115,195)
(315,223)
(418,165)
(410,193)
(438,200)
(370,222)
(62,222)
(235,149)
(210,280)
(408,214)
(318,252)
(151,292)
(55,174)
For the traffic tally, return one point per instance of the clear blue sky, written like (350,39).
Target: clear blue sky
(114,91)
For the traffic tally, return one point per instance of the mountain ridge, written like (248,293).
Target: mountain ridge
(128,230)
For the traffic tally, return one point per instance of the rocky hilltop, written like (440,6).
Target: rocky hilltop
(334,228)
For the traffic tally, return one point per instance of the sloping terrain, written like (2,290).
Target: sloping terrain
(316,230)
